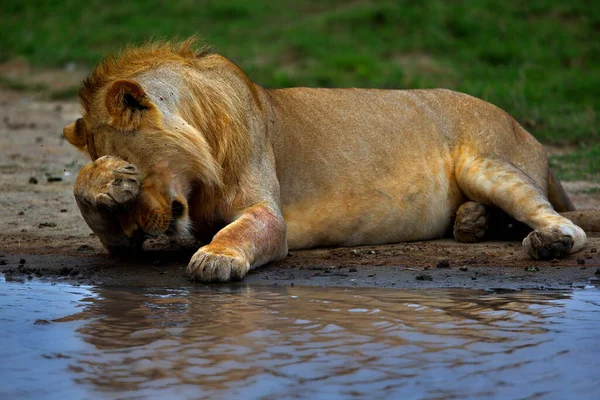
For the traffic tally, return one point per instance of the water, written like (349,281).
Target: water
(287,343)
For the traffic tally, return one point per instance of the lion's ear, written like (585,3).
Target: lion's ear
(126,103)
(75,133)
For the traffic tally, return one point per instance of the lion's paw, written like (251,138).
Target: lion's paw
(108,183)
(471,222)
(212,266)
(547,243)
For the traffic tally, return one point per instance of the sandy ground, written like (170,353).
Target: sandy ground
(44,237)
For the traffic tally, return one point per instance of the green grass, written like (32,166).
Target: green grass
(14,84)
(538,60)
(591,191)
(582,164)
(63,94)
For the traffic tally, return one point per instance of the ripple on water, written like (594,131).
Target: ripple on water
(253,342)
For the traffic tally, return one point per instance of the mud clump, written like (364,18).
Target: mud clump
(33,180)
(13,278)
(443,264)
(85,248)
(65,271)
(424,277)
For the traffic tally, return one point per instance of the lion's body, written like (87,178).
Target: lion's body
(301,167)
(388,158)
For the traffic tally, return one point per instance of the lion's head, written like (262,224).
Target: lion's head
(177,114)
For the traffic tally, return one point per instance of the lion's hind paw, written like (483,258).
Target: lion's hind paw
(548,243)
(471,223)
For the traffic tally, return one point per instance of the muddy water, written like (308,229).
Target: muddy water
(59,341)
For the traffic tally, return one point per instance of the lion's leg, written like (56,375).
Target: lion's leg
(104,190)
(471,223)
(255,238)
(475,222)
(490,181)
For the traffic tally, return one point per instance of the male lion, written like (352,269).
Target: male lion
(184,141)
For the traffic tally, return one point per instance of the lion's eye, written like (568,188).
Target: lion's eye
(176,209)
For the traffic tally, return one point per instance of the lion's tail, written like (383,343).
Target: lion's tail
(588,220)
(557,195)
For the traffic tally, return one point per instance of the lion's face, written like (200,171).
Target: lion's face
(130,126)
(181,124)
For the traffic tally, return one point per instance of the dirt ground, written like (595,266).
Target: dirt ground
(44,237)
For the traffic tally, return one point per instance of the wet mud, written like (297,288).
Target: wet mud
(440,263)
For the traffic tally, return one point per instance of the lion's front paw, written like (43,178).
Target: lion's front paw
(122,190)
(108,183)
(217,266)
(547,243)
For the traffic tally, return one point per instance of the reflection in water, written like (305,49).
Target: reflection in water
(248,342)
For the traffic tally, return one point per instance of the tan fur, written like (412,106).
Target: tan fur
(263,169)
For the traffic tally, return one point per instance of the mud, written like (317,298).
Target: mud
(44,237)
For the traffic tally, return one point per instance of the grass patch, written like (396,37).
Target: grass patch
(64,94)
(581,164)
(590,191)
(538,60)
(21,86)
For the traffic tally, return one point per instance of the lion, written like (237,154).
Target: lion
(183,142)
